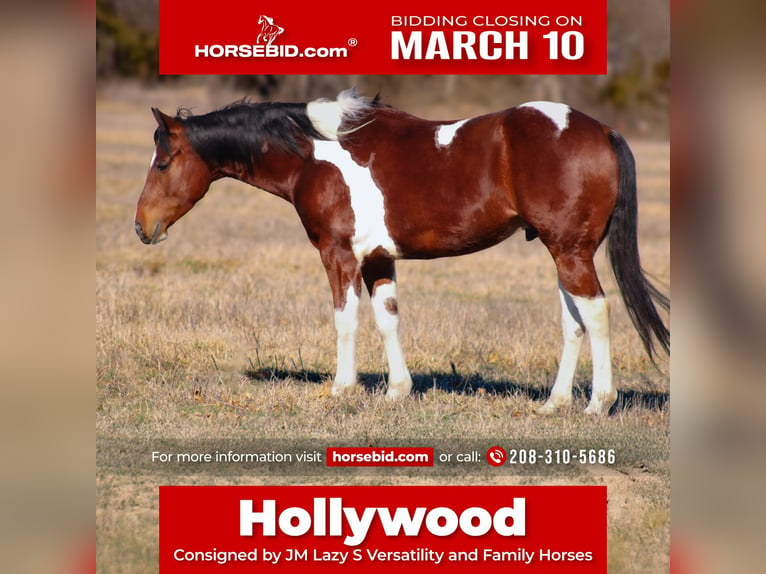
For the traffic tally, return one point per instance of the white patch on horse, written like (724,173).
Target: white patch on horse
(346,324)
(446,133)
(387,320)
(327,115)
(154,157)
(370,229)
(557,113)
(595,315)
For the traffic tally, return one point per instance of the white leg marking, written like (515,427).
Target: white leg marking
(384,305)
(366,201)
(595,316)
(446,133)
(573,329)
(557,113)
(346,324)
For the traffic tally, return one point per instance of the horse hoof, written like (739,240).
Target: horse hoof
(551,407)
(599,408)
(340,389)
(395,394)
(594,410)
(399,391)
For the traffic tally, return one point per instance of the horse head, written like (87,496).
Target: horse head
(177,179)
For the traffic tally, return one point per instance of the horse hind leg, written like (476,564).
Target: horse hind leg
(584,308)
(595,313)
(379,276)
(573,329)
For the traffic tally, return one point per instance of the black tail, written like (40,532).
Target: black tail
(622,246)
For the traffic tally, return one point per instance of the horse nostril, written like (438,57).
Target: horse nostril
(140,232)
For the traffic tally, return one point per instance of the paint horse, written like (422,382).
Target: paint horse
(372,184)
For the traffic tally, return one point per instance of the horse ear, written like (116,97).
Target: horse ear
(160,117)
(164,121)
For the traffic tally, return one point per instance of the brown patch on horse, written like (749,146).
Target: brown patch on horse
(323,202)
(391,305)
(342,271)
(377,269)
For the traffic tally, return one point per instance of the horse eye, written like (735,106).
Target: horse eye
(162,166)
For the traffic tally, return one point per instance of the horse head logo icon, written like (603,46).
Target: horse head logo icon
(269,30)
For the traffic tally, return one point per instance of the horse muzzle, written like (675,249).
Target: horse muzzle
(157,234)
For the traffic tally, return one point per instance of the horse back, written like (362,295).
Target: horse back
(450,188)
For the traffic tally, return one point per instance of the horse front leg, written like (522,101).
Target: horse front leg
(344,274)
(379,277)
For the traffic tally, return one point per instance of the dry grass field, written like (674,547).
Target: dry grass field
(222,337)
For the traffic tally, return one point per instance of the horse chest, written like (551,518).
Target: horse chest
(365,201)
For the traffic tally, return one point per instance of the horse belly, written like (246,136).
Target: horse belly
(440,232)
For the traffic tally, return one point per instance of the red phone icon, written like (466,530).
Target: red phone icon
(496,456)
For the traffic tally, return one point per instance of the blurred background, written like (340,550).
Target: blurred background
(718,368)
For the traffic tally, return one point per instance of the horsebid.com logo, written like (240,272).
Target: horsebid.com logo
(264,46)
(269,30)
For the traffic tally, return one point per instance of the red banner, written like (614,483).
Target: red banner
(396,37)
(372,528)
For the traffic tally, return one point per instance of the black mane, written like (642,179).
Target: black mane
(238,133)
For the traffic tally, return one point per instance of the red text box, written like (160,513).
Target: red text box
(396,37)
(372,528)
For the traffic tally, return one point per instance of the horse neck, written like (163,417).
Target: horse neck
(274,172)
(239,142)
